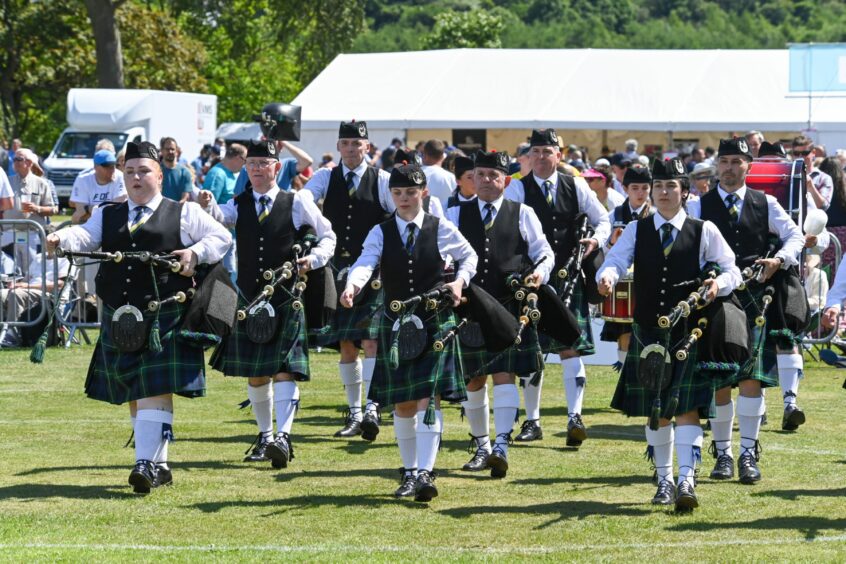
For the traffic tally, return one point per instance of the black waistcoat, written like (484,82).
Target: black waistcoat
(559,221)
(454,200)
(404,276)
(266,245)
(655,275)
(501,249)
(129,281)
(353,217)
(749,238)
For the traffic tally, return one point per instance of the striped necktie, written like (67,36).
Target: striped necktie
(547,191)
(409,241)
(731,204)
(667,238)
(350,183)
(264,211)
(138,220)
(488,220)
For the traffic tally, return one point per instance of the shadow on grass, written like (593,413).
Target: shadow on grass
(386,473)
(69,491)
(559,511)
(809,525)
(612,432)
(300,503)
(595,481)
(177,466)
(793,495)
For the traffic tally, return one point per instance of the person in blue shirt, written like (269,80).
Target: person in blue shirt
(287,172)
(176,182)
(221,178)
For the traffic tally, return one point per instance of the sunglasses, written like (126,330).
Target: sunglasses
(18,159)
(802,153)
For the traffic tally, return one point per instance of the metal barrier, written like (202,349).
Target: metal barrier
(824,339)
(20,261)
(72,314)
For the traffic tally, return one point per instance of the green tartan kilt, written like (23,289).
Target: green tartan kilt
(523,359)
(118,377)
(696,391)
(287,352)
(581,309)
(415,379)
(764,368)
(352,324)
(612,330)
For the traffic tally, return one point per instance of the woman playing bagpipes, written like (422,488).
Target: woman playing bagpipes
(669,251)
(411,249)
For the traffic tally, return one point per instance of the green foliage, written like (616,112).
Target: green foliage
(455,30)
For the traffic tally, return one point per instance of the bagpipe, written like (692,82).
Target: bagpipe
(409,337)
(167,261)
(696,300)
(582,265)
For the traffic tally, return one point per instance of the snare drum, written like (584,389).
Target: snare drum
(783,180)
(619,306)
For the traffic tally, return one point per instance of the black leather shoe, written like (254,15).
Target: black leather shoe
(143,477)
(498,463)
(370,426)
(724,467)
(530,431)
(686,497)
(424,489)
(164,477)
(576,432)
(479,461)
(280,451)
(408,483)
(352,428)
(764,420)
(666,493)
(792,418)
(747,468)
(259,449)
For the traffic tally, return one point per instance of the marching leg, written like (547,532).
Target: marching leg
(428,439)
(789,372)
(573,374)
(150,428)
(477,411)
(689,454)
(531,429)
(661,447)
(749,412)
(505,406)
(404,429)
(286,399)
(721,427)
(351,377)
(372,418)
(261,400)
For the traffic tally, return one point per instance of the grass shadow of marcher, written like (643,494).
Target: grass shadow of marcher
(31,492)
(793,495)
(281,506)
(810,526)
(558,511)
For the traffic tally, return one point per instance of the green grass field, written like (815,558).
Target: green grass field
(64,496)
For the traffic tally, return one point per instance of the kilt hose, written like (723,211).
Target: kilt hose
(696,391)
(287,351)
(581,309)
(416,379)
(118,377)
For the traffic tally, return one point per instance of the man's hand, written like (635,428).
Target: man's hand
(457,287)
(204,198)
(713,288)
(303,265)
(347,295)
(771,266)
(187,259)
(604,286)
(590,245)
(810,241)
(29,207)
(53,241)
(79,214)
(533,280)
(829,317)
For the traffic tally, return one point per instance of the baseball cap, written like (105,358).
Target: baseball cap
(104,157)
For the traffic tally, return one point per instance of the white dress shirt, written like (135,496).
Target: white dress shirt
(318,184)
(198,231)
(440,181)
(613,200)
(531,232)
(837,293)
(451,245)
(435,207)
(824,185)
(712,248)
(779,223)
(588,203)
(632,210)
(303,212)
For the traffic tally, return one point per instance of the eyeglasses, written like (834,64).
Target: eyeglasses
(18,159)
(260,164)
(802,153)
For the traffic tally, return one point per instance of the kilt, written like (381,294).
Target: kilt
(118,377)
(287,352)
(696,392)
(523,359)
(611,331)
(581,309)
(415,379)
(351,324)
(764,368)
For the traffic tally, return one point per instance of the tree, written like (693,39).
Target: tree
(107,39)
(455,30)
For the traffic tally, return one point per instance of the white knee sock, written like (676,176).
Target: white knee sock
(721,427)
(287,398)
(621,356)
(150,428)
(404,429)
(261,399)
(351,377)
(532,397)
(367,368)
(789,372)
(573,375)
(749,412)
(506,402)
(478,416)
(428,439)
(688,451)
(661,443)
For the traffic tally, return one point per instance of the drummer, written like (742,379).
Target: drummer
(679,246)
(636,182)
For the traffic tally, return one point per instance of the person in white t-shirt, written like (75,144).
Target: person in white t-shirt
(441,182)
(104,183)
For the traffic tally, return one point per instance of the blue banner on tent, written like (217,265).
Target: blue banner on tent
(818,67)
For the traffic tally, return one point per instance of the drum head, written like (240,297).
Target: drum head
(412,338)
(261,323)
(129,330)
(470,335)
(654,370)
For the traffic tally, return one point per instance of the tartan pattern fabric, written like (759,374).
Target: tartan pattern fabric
(488,220)
(409,240)
(581,310)
(264,212)
(522,360)
(764,368)
(696,391)
(667,238)
(547,192)
(117,377)
(731,205)
(351,324)
(138,220)
(351,183)
(414,379)
(286,352)
(611,331)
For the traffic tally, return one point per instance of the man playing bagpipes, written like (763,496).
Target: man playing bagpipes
(557,200)
(507,238)
(355,199)
(269,346)
(637,183)
(767,243)
(141,354)
(418,360)
(669,251)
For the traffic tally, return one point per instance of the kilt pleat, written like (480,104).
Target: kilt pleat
(523,359)
(580,307)
(118,377)
(611,331)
